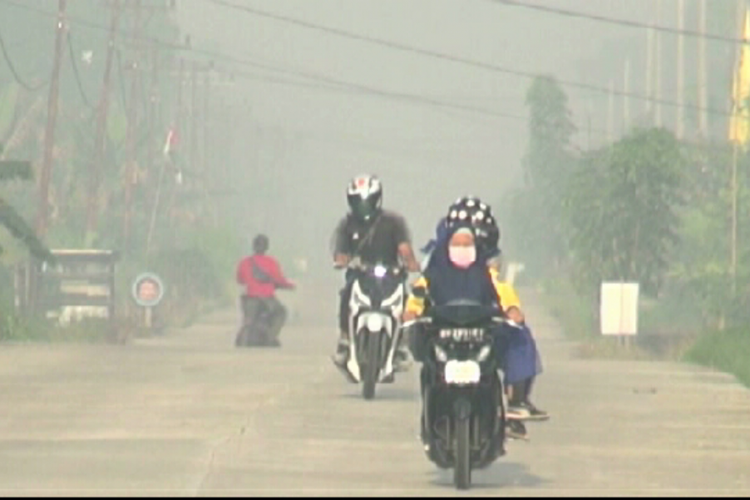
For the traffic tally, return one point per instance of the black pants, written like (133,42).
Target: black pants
(344,296)
(271,308)
(522,391)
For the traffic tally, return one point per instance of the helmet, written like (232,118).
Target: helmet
(365,196)
(471,208)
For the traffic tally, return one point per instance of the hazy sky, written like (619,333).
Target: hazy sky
(427,156)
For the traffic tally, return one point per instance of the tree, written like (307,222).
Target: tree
(548,162)
(622,210)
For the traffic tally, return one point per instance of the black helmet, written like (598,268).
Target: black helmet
(471,208)
(365,196)
(260,244)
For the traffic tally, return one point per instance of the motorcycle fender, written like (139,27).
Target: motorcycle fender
(462,409)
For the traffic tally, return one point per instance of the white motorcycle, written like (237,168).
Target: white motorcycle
(376,304)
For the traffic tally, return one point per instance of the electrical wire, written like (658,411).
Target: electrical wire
(456,59)
(20,81)
(393,45)
(617,21)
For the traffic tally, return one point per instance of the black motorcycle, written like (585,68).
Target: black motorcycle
(254,331)
(463,416)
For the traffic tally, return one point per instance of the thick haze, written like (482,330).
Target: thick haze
(311,141)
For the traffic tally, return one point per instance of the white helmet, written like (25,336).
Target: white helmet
(365,196)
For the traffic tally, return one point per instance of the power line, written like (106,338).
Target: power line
(447,57)
(390,44)
(366,91)
(77,74)
(16,76)
(396,95)
(312,76)
(617,21)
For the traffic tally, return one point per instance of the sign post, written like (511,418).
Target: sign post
(148,291)
(619,310)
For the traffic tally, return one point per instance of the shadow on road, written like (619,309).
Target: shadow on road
(383,393)
(500,475)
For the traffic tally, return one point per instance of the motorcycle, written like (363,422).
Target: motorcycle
(254,331)
(375,306)
(463,414)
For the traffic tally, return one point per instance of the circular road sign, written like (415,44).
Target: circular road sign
(148,290)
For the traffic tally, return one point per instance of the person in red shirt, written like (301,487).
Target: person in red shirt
(261,275)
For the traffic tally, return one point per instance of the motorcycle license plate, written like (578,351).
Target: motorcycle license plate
(462,372)
(462,334)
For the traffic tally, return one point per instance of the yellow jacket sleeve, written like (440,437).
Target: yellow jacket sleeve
(416,301)
(506,294)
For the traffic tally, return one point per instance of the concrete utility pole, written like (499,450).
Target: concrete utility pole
(650,72)
(702,72)
(625,97)
(49,131)
(658,116)
(680,119)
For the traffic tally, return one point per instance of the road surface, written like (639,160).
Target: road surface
(188,415)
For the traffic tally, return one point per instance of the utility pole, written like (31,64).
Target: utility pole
(101,128)
(49,131)
(611,114)
(702,72)
(650,72)
(658,117)
(626,98)
(194,118)
(680,125)
(206,127)
(153,101)
(132,117)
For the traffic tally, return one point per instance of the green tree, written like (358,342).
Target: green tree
(622,206)
(535,211)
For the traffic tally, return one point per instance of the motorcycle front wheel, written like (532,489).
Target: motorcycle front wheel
(462,468)
(372,369)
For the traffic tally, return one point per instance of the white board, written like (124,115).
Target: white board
(619,308)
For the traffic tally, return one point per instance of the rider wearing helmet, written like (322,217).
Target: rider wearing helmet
(480,215)
(374,236)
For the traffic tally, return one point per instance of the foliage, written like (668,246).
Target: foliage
(621,211)
(726,350)
(533,209)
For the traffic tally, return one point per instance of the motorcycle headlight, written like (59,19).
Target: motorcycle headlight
(484,353)
(380,271)
(440,354)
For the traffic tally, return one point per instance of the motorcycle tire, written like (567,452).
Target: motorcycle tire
(462,467)
(372,369)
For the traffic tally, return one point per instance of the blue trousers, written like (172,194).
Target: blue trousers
(520,358)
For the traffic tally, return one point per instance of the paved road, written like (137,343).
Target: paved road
(189,415)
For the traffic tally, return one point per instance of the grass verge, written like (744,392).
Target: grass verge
(727,351)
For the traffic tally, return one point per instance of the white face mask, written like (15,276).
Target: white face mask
(462,256)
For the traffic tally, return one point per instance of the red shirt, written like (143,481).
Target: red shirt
(264,265)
